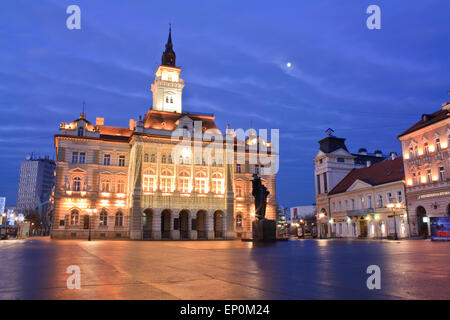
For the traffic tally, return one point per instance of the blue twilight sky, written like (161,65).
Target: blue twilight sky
(368,85)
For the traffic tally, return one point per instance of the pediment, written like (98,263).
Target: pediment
(358,185)
(77,170)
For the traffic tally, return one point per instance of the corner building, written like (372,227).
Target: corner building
(128,183)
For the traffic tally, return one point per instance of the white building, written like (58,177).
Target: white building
(354,189)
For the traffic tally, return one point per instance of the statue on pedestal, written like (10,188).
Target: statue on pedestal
(260,193)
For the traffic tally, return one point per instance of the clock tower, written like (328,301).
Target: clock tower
(168,86)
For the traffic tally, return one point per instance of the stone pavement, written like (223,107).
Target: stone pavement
(297,269)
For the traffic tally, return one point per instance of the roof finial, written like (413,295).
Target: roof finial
(168,57)
(83,115)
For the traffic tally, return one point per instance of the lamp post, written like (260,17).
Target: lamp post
(394,206)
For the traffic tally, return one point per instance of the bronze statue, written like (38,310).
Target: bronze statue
(260,193)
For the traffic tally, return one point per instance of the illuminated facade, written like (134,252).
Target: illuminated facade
(426,156)
(141,183)
(354,192)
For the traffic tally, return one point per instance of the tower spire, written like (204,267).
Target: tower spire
(83,115)
(168,57)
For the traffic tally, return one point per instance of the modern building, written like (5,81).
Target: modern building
(2,204)
(355,188)
(301,212)
(36,179)
(426,156)
(170,175)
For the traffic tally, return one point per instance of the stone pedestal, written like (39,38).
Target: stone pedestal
(175,234)
(264,230)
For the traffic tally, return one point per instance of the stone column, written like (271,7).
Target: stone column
(210,224)
(156,224)
(174,234)
(192,233)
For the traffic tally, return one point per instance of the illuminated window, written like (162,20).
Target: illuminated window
(380,201)
(438,145)
(120,186)
(74,217)
(106,185)
(200,182)
(185,181)
(119,219)
(441,173)
(217,183)
(239,221)
(121,161)
(149,181)
(429,180)
(103,218)
(76,184)
(106,159)
(166,181)
(238,191)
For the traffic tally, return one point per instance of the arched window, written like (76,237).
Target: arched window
(146,157)
(153,158)
(166,181)
(120,186)
(200,182)
(438,145)
(171,100)
(103,218)
(76,184)
(169,159)
(163,158)
(238,220)
(217,183)
(74,215)
(80,131)
(149,181)
(119,219)
(185,181)
(167,99)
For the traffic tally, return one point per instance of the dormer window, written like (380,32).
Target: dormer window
(80,131)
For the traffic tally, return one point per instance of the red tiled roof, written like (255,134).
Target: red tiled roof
(430,119)
(379,173)
(115,131)
(169,120)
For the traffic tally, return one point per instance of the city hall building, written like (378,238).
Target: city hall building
(137,182)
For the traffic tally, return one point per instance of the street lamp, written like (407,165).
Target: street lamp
(90,211)
(394,206)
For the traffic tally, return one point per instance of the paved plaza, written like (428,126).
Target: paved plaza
(297,269)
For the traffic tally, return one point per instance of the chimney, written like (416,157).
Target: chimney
(99,121)
(446,106)
(132,124)
(378,153)
(393,155)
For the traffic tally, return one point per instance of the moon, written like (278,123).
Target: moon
(288,64)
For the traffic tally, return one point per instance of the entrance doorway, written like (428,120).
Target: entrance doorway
(165,224)
(422,226)
(184,224)
(218,224)
(201,224)
(147,221)
(363,228)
